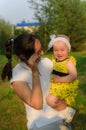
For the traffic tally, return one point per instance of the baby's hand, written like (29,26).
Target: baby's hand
(55,78)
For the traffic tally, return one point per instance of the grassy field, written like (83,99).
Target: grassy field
(12,112)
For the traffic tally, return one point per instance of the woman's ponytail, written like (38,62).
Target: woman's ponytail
(7,70)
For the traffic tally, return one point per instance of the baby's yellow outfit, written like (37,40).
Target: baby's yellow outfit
(67,91)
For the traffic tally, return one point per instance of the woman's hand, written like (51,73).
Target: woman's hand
(32,60)
(32,63)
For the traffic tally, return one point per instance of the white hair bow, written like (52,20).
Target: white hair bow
(55,39)
(52,37)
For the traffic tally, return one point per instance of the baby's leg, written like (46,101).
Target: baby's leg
(52,100)
(61,105)
(55,102)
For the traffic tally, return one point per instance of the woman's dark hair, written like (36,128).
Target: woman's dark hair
(23,47)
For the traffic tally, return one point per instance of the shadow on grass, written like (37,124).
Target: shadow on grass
(79,122)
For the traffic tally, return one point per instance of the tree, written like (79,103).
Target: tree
(61,16)
(5,33)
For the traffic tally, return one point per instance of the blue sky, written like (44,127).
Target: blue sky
(16,11)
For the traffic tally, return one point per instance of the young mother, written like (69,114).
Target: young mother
(30,79)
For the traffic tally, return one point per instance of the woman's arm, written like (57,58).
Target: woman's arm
(32,97)
(72,74)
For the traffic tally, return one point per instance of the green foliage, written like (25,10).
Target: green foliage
(61,16)
(7,31)
(5,34)
(19,31)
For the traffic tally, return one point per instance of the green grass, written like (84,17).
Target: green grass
(12,111)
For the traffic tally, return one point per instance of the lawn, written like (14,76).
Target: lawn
(12,112)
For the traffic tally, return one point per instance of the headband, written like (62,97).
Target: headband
(55,39)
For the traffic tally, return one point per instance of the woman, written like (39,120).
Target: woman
(30,79)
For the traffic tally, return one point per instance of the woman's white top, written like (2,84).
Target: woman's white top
(47,115)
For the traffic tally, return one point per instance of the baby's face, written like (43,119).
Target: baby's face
(60,50)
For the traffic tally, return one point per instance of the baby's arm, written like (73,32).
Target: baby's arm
(72,74)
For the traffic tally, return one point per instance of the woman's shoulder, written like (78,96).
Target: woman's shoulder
(46,61)
(20,73)
(45,64)
(21,66)
(17,68)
